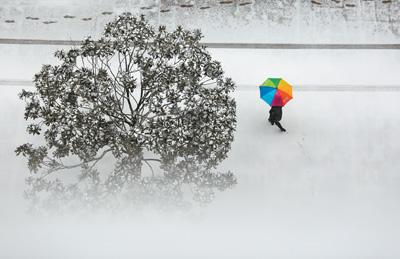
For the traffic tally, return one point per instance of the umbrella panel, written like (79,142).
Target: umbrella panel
(277,101)
(268,94)
(272,82)
(284,97)
(285,87)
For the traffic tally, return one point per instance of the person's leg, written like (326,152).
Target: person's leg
(270,121)
(279,126)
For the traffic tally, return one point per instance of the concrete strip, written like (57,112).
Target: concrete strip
(221,45)
(15,82)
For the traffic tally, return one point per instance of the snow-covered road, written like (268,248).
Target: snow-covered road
(329,187)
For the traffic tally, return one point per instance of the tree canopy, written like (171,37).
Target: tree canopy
(153,101)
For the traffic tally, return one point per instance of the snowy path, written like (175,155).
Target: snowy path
(330,187)
(341,149)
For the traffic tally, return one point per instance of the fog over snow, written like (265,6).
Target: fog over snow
(329,187)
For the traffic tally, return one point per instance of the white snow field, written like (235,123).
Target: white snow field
(328,188)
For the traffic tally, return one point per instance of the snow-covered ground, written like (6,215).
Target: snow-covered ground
(328,188)
(249,66)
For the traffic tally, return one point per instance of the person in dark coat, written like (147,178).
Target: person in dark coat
(275,115)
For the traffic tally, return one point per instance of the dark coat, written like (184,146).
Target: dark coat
(275,114)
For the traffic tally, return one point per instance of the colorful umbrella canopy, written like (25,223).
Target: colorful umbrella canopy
(276,92)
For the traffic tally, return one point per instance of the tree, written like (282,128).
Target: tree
(152,100)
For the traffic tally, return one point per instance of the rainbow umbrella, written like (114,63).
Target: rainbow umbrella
(276,92)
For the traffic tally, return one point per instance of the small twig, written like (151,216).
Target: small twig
(151,168)
(151,159)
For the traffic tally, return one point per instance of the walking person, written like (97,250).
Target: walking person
(275,116)
(277,93)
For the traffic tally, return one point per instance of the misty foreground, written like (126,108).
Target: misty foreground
(328,188)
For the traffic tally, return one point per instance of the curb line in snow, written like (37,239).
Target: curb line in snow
(220,45)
